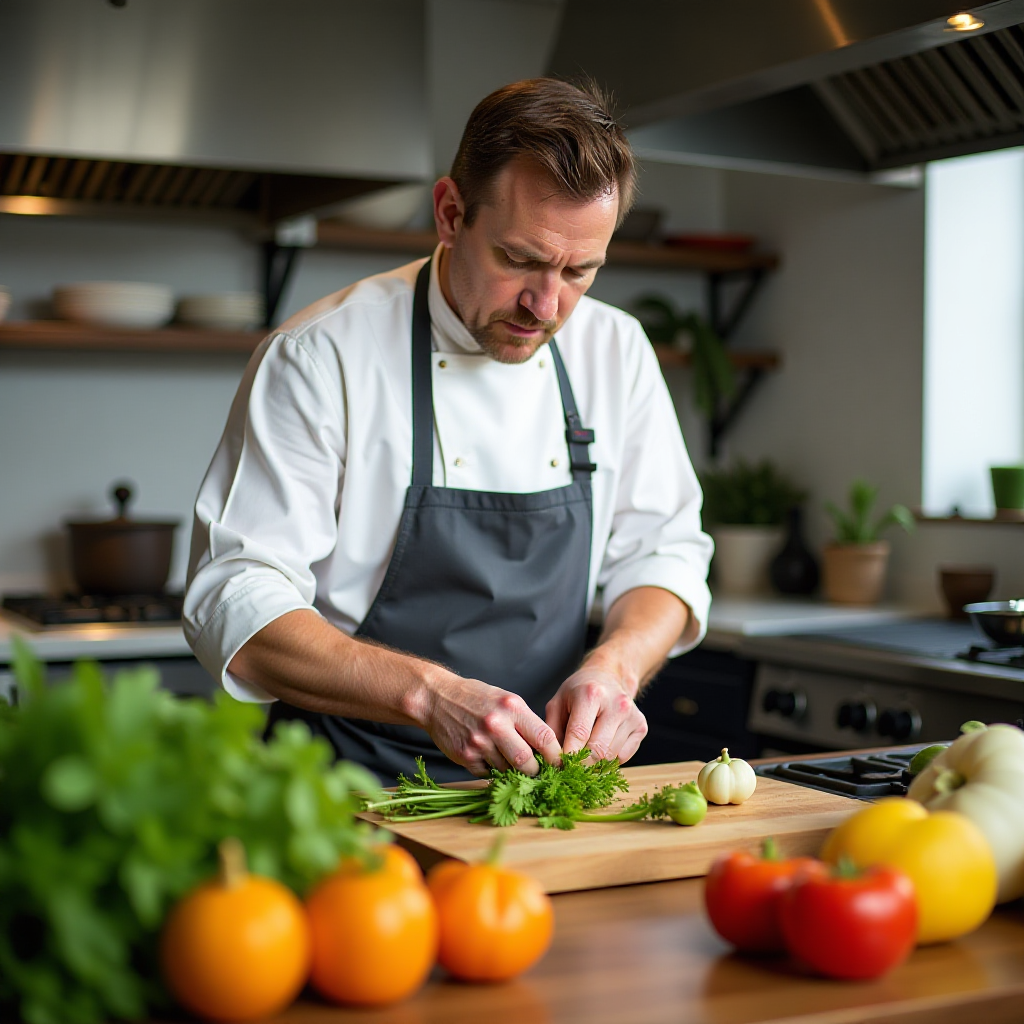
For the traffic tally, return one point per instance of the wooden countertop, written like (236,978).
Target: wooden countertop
(645,954)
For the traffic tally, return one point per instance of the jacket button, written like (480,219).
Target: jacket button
(459,462)
(542,364)
(554,463)
(443,363)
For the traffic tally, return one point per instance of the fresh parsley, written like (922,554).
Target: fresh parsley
(557,796)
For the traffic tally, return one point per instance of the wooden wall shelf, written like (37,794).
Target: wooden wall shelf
(740,360)
(59,336)
(927,520)
(336,235)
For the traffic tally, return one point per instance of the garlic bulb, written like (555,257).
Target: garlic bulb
(726,780)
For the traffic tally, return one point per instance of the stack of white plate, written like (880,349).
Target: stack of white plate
(227,311)
(114,303)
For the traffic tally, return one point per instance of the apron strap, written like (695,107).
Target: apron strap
(422,385)
(578,437)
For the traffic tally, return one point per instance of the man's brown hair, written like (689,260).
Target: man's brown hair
(565,128)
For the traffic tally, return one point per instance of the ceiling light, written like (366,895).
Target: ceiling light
(964,23)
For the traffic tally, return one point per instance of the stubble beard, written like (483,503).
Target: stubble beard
(503,347)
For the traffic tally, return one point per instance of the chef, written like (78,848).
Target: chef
(426,476)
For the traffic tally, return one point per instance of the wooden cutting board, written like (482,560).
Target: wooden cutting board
(593,855)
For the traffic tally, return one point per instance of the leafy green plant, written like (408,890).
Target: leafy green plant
(748,494)
(557,795)
(113,799)
(856,526)
(713,376)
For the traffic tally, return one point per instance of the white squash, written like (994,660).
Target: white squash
(981,775)
(726,780)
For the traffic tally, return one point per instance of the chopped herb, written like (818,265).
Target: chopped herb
(556,795)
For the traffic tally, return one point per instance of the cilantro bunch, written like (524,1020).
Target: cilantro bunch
(557,796)
(113,799)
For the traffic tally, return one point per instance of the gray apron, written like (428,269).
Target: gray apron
(493,586)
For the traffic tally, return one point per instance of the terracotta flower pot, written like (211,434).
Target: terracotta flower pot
(742,557)
(855,573)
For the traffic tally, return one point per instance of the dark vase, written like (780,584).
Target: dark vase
(794,570)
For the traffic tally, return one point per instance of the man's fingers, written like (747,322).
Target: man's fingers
(497,761)
(539,735)
(632,743)
(628,736)
(603,737)
(556,715)
(517,732)
(528,726)
(582,714)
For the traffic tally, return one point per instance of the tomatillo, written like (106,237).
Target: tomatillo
(686,805)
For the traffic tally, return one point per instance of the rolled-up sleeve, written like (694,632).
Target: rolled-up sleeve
(656,538)
(267,508)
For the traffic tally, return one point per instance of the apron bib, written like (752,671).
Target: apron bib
(492,586)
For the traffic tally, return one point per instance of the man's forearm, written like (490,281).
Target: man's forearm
(639,630)
(303,660)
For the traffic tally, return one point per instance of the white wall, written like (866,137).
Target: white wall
(72,423)
(845,310)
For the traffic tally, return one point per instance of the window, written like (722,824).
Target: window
(974,328)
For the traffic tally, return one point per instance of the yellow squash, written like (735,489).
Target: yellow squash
(945,854)
(982,776)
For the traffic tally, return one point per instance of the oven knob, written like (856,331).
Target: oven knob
(899,723)
(856,715)
(788,703)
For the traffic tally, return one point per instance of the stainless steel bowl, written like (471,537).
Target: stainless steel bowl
(1001,621)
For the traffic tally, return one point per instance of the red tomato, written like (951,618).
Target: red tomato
(742,895)
(848,924)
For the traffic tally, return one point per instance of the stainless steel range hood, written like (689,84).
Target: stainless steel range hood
(833,88)
(258,108)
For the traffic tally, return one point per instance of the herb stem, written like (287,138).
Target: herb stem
(437,797)
(448,812)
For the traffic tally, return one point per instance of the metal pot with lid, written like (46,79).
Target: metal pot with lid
(121,556)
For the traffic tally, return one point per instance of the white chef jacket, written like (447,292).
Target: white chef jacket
(301,504)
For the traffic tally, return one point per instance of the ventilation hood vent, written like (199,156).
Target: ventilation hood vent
(249,108)
(965,96)
(853,89)
(37,184)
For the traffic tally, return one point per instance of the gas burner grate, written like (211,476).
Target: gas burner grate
(89,609)
(985,655)
(865,777)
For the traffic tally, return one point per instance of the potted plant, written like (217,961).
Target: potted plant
(855,562)
(713,376)
(744,508)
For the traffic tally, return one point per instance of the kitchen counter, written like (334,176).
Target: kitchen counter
(734,618)
(645,954)
(101,641)
(730,621)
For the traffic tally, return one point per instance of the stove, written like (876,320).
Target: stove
(41,612)
(986,654)
(867,777)
(906,682)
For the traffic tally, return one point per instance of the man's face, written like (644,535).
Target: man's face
(516,274)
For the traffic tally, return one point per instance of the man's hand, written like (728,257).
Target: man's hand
(592,709)
(483,727)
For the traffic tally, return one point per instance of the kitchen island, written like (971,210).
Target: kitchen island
(645,954)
